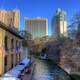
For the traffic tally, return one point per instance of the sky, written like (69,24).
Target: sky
(41,8)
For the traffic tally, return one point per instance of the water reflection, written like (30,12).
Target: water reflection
(46,70)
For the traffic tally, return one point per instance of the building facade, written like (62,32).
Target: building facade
(10,48)
(59,24)
(10,18)
(37,27)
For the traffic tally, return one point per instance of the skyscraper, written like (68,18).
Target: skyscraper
(11,18)
(59,24)
(37,27)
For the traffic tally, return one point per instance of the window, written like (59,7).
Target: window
(12,44)
(16,61)
(20,44)
(16,43)
(5,63)
(19,57)
(17,46)
(6,44)
(12,61)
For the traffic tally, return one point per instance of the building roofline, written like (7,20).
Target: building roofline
(10,29)
(37,18)
(10,10)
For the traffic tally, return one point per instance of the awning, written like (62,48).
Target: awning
(12,73)
(16,71)
(19,67)
(25,61)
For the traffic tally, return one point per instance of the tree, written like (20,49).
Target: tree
(70,49)
(74,27)
(78,21)
(27,37)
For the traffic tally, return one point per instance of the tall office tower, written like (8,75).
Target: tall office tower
(11,18)
(37,27)
(59,24)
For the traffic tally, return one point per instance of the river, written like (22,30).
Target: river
(47,70)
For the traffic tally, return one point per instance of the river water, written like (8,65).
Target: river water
(47,70)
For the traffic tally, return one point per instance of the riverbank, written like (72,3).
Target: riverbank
(73,76)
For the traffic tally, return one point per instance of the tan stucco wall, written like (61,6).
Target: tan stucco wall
(3,53)
(2,33)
